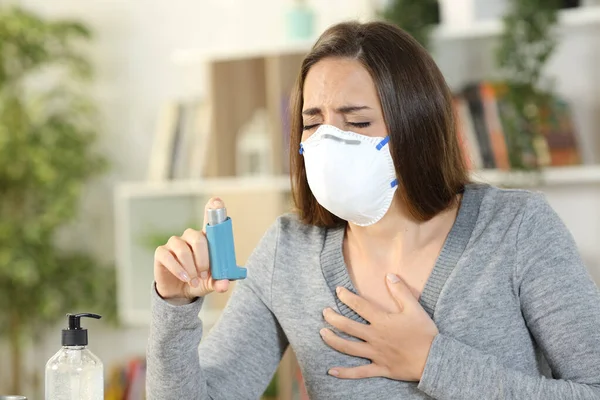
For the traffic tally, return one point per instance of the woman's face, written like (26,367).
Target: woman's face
(340,92)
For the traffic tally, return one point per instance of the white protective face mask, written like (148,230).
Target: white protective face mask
(351,175)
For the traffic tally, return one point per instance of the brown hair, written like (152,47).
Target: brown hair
(417,109)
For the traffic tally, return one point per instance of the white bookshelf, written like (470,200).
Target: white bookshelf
(568,19)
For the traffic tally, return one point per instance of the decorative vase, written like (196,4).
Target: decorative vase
(300,21)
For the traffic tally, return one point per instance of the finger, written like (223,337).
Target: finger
(183,253)
(346,325)
(400,291)
(213,203)
(165,258)
(364,371)
(361,306)
(196,240)
(350,347)
(221,286)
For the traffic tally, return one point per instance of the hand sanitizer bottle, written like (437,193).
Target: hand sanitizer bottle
(75,373)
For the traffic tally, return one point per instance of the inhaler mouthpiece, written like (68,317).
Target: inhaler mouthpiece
(216,215)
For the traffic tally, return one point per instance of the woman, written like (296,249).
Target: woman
(397,278)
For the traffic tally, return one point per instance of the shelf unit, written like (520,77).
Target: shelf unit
(568,19)
(240,86)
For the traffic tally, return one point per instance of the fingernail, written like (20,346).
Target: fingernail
(217,203)
(325,311)
(323,332)
(393,278)
(183,275)
(195,282)
(203,274)
(334,372)
(338,290)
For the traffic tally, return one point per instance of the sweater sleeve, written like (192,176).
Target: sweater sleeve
(237,359)
(561,306)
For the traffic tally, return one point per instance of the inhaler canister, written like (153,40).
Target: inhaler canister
(221,250)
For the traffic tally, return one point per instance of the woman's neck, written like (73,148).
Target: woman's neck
(397,235)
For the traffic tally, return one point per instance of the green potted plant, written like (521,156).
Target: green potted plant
(47,135)
(417,17)
(526,44)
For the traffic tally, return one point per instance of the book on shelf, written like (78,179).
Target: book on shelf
(202,124)
(466,134)
(164,137)
(489,98)
(299,391)
(485,117)
(472,95)
(559,131)
(127,381)
(181,141)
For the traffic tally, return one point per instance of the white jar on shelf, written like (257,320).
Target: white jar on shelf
(253,147)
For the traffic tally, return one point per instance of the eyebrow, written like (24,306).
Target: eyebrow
(341,110)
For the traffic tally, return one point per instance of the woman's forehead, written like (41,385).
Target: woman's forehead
(338,81)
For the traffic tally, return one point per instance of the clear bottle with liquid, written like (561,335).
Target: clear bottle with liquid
(74,372)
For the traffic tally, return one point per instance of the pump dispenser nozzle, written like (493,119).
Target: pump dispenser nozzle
(75,335)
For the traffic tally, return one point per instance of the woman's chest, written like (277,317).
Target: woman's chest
(369,276)
(478,309)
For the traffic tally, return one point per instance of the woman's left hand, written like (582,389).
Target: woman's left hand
(396,343)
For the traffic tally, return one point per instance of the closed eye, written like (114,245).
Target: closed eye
(309,127)
(359,124)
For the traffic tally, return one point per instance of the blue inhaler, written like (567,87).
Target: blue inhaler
(221,252)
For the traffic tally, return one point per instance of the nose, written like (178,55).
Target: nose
(333,118)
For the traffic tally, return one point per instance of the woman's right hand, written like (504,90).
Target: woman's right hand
(181,266)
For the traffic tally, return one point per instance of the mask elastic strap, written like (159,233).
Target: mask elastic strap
(379,146)
(383,143)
